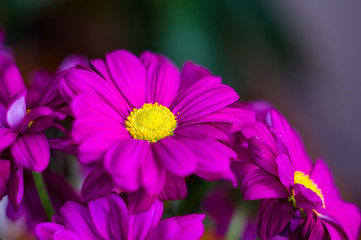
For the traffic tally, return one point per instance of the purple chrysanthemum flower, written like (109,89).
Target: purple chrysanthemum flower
(148,125)
(24,116)
(108,218)
(301,200)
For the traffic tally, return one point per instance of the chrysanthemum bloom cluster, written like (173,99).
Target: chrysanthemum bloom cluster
(299,198)
(140,127)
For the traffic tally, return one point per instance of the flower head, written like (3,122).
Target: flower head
(148,125)
(108,218)
(275,166)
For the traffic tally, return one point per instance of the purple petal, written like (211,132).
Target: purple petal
(71,61)
(119,217)
(285,171)
(148,58)
(4,169)
(142,223)
(79,80)
(66,235)
(46,231)
(262,155)
(152,174)
(86,103)
(258,130)
(201,99)
(7,137)
(274,217)
(31,151)
(139,201)
(345,217)
(192,73)
(95,146)
(291,140)
(162,83)
(322,176)
(11,83)
(129,75)
(187,227)
(97,183)
(123,162)
(16,111)
(213,158)
(93,124)
(230,116)
(306,198)
(259,184)
(16,186)
(201,131)
(175,156)
(77,219)
(36,114)
(175,188)
(100,213)
(4,177)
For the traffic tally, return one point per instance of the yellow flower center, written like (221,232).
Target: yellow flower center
(31,122)
(151,122)
(306,181)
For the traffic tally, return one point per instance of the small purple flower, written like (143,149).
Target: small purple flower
(275,166)
(148,126)
(107,218)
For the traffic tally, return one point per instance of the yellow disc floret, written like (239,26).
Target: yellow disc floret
(306,181)
(151,122)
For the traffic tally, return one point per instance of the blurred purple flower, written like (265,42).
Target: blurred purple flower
(107,218)
(275,166)
(59,192)
(150,126)
(23,118)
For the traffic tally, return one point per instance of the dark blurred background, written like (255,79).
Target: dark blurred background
(303,56)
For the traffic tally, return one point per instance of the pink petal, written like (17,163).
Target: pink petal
(99,210)
(175,188)
(97,183)
(192,73)
(31,151)
(142,223)
(148,58)
(4,169)
(139,201)
(322,176)
(285,171)
(200,100)
(46,231)
(259,184)
(119,217)
(11,83)
(162,83)
(77,219)
(152,174)
(124,160)
(16,111)
(274,216)
(129,75)
(291,140)
(175,156)
(16,186)
(262,155)
(7,137)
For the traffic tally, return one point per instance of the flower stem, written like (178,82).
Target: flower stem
(43,194)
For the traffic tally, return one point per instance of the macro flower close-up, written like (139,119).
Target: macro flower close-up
(149,125)
(184,120)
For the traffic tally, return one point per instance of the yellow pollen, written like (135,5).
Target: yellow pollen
(151,122)
(306,181)
(31,122)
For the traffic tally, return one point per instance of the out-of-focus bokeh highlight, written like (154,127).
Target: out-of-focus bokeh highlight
(303,56)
